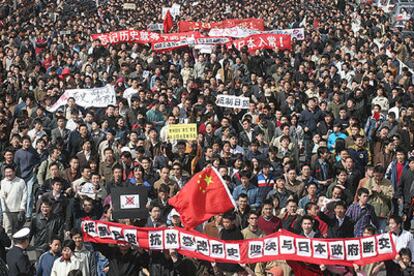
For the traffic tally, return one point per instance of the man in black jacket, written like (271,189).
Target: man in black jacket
(406,188)
(232,233)
(44,226)
(340,225)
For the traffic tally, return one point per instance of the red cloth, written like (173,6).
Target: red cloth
(303,269)
(168,22)
(204,196)
(400,168)
(323,227)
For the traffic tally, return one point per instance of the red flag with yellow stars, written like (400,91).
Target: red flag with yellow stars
(205,195)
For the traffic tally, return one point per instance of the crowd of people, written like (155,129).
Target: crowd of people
(325,148)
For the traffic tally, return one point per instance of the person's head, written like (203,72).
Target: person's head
(75,272)
(341,176)
(311,189)
(411,163)
(306,170)
(291,174)
(359,140)
(26,142)
(46,207)
(340,209)
(363,195)
(369,171)
(291,206)
(406,256)
(244,178)
(76,236)
(8,155)
(394,223)
(117,172)
(9,172)
(312,209)
(349,163)
(252,219)
(369,231)
(400,155)
(379,172)
(87,205)
(306,224)
(165,173)
(242,201)
(228,220)
(86,172)
(337,192)
(155,212)
(68,247)
(74,163)
(55,244)
(323,153)
(280,183)
(267,208)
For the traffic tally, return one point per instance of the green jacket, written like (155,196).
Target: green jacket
(380,200)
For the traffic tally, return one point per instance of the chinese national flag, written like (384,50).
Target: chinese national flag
(168,22)
(204,196)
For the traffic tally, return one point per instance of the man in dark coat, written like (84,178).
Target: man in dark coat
(340,225)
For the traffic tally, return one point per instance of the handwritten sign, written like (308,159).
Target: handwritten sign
(182,132)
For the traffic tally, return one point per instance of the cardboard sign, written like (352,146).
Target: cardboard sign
(129,6)
(129,202)
(182,132)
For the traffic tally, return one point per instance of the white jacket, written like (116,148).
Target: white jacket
(62,268)
(13,195)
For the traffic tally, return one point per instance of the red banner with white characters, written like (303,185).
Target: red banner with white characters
(141,37)
(249,23)
(263,41)
(281,245)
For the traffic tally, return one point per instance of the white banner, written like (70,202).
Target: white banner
(155,27)
(237,32)
(97,97)
(298,33)
(174,10)
(232,101)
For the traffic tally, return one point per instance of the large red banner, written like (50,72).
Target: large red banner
(263,41)
(282,245)
(249,23)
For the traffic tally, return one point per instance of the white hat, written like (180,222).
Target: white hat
(174,213)
(88,189)
(22,233)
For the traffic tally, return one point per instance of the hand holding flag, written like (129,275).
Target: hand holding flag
(205,195)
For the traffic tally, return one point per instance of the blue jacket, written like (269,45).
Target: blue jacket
(372,125)
(265,185)
(26,160)
(332,139)
(252,193)
(45,263)
(391,174)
